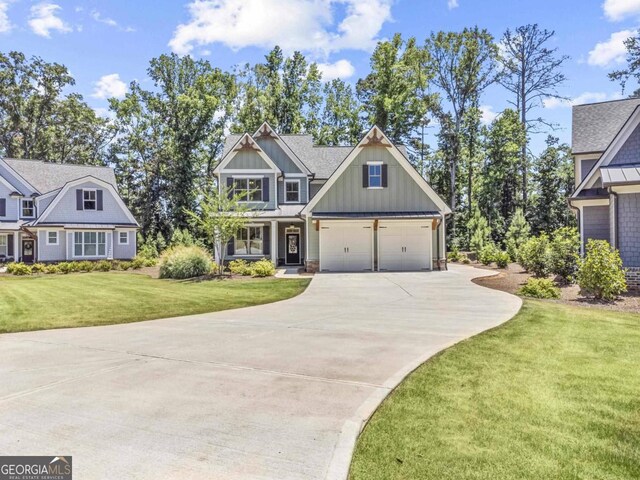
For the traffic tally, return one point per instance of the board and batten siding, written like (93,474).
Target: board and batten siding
(402,194)
(629,228)
(66,211)
(595,223)
(271,204)
(313,242)
(10,204)
(278,155)
(304,188)
(51,253)
(247,160)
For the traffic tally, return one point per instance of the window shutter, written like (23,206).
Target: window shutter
(266,240)
(230,247)
(79,199)
(384,176)
(265,189)
(3,207)
(365,176)
(230,187)
(99,199)
(10,245)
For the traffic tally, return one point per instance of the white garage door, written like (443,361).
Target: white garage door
(346,247)
(405,246)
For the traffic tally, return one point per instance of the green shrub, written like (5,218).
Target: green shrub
(502,259)
(137,263)
(479,230)
(600,274)
(18,268)
(517,234)
(52,269)
(535,254)
(539,288)
(185,262)
(488,254)
(38,268)
(75,267)
(464,259)
(263,268)
(64,267)
(84,266)
(182,237)
(125,265)
(565,253)
(148,250)
(149,262)
(454,254)
(103,266)
(240,267)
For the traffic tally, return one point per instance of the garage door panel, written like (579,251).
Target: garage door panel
(346,247)
(405,246)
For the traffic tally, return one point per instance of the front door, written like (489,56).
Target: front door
(27,251)
(293,249)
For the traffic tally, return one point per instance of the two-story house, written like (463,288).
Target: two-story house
(354,208)
(51,212)
(606,150)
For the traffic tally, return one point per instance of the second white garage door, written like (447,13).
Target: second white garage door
(404,246)
(346,247)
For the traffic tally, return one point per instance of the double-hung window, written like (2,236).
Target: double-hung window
(28,209)
(123,238)
(4,248)
(90,244)
(375,175)
(52,237)
(249,241)
(292,191)
(249,189)
(89,201)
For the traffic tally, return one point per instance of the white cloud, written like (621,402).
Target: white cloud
(619,9)
(43,20)
(340,69)
(307,25)
(109,86)
(610,51)
(5,23)
(97,16)
(451,4)
(586,97)
(488,115)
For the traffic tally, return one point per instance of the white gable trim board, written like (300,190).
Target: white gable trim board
(234,151)
(400,158)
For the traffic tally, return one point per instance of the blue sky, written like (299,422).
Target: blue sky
(108,44)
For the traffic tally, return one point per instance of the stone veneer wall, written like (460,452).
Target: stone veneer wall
(633,278)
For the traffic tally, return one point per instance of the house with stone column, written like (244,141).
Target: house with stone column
(606,151)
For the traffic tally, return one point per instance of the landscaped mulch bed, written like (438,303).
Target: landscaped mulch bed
(512,278)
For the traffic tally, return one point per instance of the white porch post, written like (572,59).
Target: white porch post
(16,246)
(274,242)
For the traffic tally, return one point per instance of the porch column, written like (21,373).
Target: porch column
(16,246)
(274,242)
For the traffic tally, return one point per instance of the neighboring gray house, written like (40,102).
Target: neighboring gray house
(606,150)
(355,208)
(52,212)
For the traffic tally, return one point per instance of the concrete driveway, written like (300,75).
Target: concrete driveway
(277,391)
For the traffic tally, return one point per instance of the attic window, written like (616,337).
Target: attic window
(89,199)
(28,210)
(375,175)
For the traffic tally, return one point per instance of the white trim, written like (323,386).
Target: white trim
(120,232)
(290,153)
(284,190)
(375,163)
(626,189)
(399,157)
(594,202)
(33,207)
(240,171)
(73,244)
(611,151)
(295,175)
(47,232)
(248,176)
(233,152)
(95,200)
(274,242)
(88,178)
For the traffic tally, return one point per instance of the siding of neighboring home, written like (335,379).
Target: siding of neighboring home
(11,204)
(303,189)
(16,181)
(271,204)
(278,155)
(586,166)
(595,223)
(282,243)
(70,246)
(65,210)
(51,253)
(630,152)
(348,195)
(247,160)
(629,228)
(124,252)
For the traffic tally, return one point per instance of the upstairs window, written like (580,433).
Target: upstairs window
(375,175)
(292,191)
(89,200)
(249,189)
(28,210)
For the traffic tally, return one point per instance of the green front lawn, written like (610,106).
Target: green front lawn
(552,394)
(78,300)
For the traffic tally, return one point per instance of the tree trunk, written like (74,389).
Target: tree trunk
(523,118)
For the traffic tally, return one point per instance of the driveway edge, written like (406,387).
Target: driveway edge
(345,446)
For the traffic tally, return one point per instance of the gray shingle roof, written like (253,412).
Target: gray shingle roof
(321,160)
(46,176)
(595,125)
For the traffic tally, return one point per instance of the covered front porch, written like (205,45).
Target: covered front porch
(16,245)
